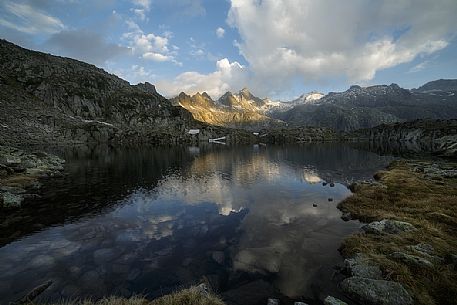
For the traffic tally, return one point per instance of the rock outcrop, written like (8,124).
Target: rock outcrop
(376,292)
(433,136)
(21,172)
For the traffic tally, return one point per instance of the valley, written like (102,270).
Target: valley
(111,190)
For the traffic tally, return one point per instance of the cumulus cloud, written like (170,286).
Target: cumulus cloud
(220,32)
(27,19)
(149,45)
(145,4)
(313,40)
(227,77)
(84,45)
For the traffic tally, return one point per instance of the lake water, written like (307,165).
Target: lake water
(252,221)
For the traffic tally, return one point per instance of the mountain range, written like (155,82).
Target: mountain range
(52,99)
(241,109)
(356,108)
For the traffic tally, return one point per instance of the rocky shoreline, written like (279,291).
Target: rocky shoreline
(406,253)
(22,173)
(438,137)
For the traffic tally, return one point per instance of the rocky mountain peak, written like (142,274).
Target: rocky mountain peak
(206,96)
(354,88)
(147,88)
(444,85)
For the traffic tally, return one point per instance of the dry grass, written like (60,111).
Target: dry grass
(431,206)
(191,296)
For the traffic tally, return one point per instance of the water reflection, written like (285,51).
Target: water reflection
(236,217)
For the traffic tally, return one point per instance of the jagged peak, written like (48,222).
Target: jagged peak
(183,95)
(147,87)
(245,90)
(355,87)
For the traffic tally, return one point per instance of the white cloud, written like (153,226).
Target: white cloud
(24,18)
(140,13)
(419,67)
(227,77)
(220,32)
(315,40)
(149,45)
(156,56)
(146,4)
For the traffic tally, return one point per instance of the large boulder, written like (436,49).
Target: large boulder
(376,292)
(360,266)
(411,260)
(388,226)
(333,301)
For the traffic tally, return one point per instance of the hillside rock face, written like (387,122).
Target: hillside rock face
(371,106)
(434,136)
(51,99)
(242,110)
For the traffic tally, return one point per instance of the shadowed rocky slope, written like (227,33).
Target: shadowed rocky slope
(371,106)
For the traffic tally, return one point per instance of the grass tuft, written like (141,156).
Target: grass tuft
(191,296)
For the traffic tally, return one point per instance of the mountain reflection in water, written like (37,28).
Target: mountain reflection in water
(151,220)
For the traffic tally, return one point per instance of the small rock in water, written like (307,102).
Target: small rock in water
(332,184)
(218,256)
(346,216)
(186,262)
(273,302)
(330,199)
(103,255)
(324,183)
(133,274)
(314,204)
(333,301)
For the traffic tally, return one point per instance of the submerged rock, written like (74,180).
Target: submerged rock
(388,226)
(333,301)
(273,302)
(376,292)
(12,200)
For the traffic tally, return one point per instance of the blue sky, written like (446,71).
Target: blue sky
(277,48)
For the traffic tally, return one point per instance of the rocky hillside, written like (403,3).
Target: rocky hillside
(371,106)
(51,99)
(241,110)
(434,136)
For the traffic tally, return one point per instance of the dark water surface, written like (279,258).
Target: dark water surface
(151,220)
